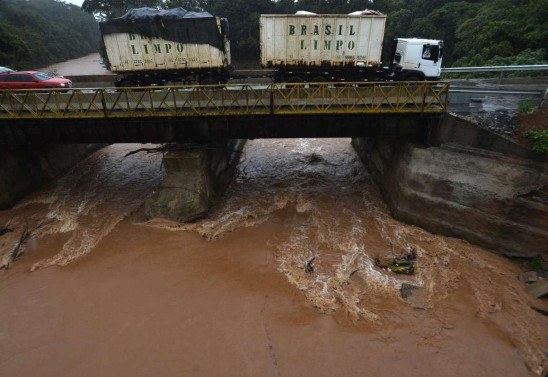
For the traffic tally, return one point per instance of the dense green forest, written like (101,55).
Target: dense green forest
(476,32)
(40,32)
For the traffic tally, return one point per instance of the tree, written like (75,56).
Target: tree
(42,32)
(108,9)
(474,31)
(194,5)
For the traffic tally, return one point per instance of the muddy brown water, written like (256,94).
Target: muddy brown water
(101,291)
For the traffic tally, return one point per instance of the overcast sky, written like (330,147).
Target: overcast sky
(76,2)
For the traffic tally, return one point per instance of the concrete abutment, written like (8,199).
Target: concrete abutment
(25,168)
(471,184)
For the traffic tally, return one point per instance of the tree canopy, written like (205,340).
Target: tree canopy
(475,32)
(40,32)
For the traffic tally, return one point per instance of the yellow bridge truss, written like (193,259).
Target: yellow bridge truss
(228,100)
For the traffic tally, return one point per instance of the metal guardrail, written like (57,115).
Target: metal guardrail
(497,92)
(228,100)
(499,68)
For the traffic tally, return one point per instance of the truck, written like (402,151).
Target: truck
(309,47)
(149,47)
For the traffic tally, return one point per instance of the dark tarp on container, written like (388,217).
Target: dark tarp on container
(176,25)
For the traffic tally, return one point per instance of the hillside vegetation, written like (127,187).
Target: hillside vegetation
(40,32)
(476,32)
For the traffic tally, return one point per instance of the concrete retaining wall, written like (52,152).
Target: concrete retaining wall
(25,168)
(493,199)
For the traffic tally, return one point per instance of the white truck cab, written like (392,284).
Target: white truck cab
(418,59)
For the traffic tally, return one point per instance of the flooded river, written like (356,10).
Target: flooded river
(100,291)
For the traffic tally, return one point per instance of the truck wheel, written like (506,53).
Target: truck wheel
(209,81)
(413,78)
(127,84)
(212,84)
(317,80)
(294,80)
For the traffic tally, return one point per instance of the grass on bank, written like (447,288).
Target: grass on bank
(533,126)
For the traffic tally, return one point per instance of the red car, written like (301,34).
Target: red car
(32,80)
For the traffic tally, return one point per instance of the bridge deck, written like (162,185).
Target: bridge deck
(214,101)
(175,114)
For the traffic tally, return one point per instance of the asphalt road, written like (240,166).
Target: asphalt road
(89,72)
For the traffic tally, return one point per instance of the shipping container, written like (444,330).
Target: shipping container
(152,46)
(128,52)
(321,40)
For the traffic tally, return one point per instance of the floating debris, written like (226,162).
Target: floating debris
(400,265)
(27,234)
(309,267)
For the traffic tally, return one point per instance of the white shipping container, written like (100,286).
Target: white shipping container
(129,52)
(321,40)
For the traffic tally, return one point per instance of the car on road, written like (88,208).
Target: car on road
(32,80)
(5,69)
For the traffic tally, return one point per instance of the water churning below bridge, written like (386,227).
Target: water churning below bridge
(230,294)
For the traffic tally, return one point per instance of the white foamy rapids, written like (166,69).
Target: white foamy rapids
(90,200)
(338,219)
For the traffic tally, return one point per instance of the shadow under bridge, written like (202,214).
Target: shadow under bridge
(181,113)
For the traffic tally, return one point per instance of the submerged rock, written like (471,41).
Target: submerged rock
(529,276)
(415,296)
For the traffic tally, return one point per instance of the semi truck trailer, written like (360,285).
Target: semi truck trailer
(147,47)
(308,47)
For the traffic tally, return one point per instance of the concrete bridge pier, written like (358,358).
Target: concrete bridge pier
(197,175)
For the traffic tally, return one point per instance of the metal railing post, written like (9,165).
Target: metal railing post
(423,105)
(104,103)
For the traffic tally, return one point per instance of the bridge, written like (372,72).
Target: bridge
(237,111)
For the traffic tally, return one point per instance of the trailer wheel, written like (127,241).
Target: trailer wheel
(209,81)
(414,78)
(294,80)
(317,81)
(127,84)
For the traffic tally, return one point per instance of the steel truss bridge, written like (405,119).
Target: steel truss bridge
(178,113)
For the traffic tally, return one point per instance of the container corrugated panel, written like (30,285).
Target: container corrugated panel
(128,52)
(321,40)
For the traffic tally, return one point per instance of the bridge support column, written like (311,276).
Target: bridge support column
(196,177)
